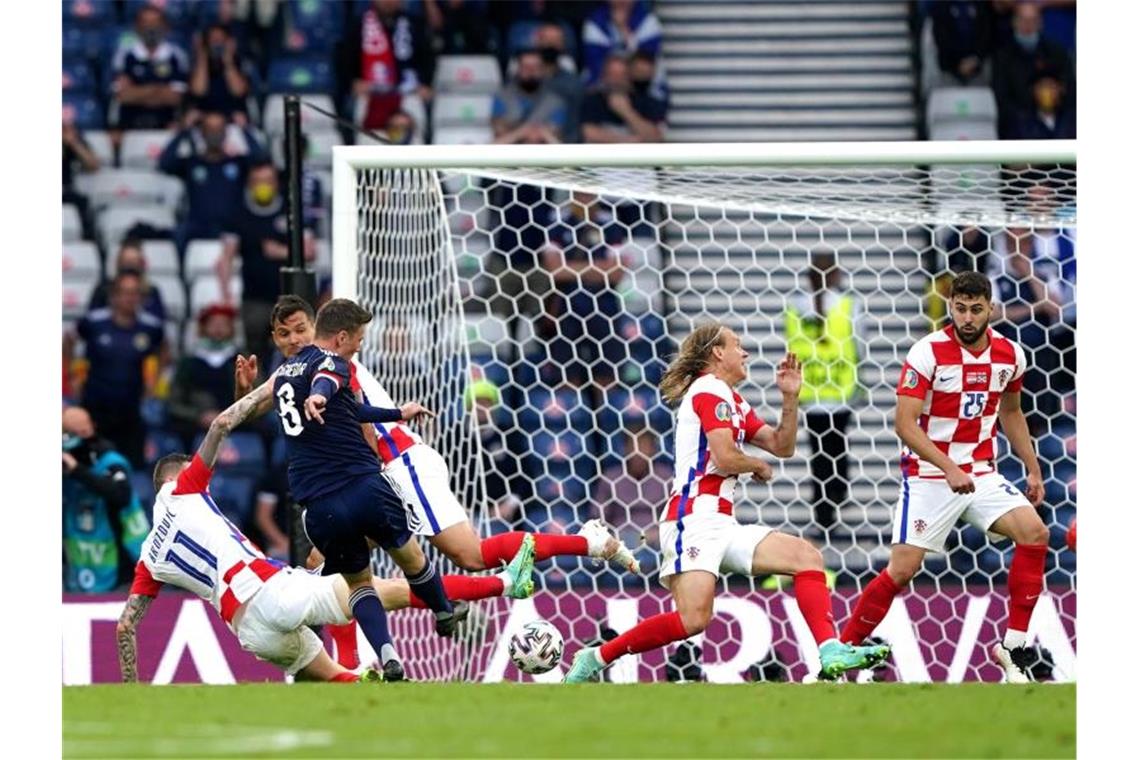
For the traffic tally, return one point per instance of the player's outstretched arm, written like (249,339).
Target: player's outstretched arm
(125,633)
(907,412)
(245,375)
(234,415)
(781,440)
(1013,424)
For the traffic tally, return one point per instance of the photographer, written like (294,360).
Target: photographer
(100,510)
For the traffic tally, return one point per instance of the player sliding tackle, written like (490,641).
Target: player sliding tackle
(268,606)
(420,477)
(700,538)
(955,385)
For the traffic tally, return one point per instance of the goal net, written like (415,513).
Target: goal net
(533,296)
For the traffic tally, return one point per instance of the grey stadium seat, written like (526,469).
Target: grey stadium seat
(115,221)
(72,224)
(954,104)
(461,111)
(173,295)
(201,258)
(964,130)
(274,114)
(76,295)
(100,144)
(464,136)
(206,291)
(110,186)
(161,257)
(81,259)
(141,148)
(467,74)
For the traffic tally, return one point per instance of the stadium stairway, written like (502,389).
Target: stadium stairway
(787,71)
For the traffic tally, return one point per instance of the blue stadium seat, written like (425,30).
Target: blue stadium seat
(81,42)
(521,36)
(234,495)
(300,75)
(242,453)
(78,77)
(328,18)
(82,110)
(89,13)
(159,443)
(143,486)
(179,13)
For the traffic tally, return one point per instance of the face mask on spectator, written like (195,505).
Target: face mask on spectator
(217,51)
(641,86)
(399,135)
(214,140)
(151,36)
(1027,41)
(550,55)
(1046,99)
(264,193)
(529,85)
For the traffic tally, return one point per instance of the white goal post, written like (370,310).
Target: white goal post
(538,336)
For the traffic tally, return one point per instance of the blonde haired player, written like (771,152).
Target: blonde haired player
(955,386)
(700,537)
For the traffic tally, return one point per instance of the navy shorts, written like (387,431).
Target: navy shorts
(340,523)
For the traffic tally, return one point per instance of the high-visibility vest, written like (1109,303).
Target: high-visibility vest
(827,351)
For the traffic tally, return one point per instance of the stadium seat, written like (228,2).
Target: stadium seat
(485,334)
(413,105)
(129,186)
(300,75)
(81,259)
(234,495)
(173,295)
(202,258)
(82,110)
(964,130)
(81,42)
(178,12)
(78,76)
(89,13)
(143,487)
(461,111)
(115,221)
(100,144)
(159,443)
(77,294)
(161,257)
(321,143)
(470,74)
(206,291)
(72,224)
(521,36)
(141,148)
(954,104)
(463,136)
(242,453)
(274,114)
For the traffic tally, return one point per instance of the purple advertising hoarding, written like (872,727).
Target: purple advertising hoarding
(935,636)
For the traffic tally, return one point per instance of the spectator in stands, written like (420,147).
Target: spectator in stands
(132,260)
(204,377)
(630,491)
(822,330)
(645,82)
(214,171)
(401,128)
(560,77)
(312,192)
(623,27)
(966,249)
(460,26)
(582,311)
(149,77)
(258,232)
(76,151)
(963,34)
(271,514)
(504,482)
(1018,62)
(220,79)
(523,112)
(125,349)
(385,56)
(614,113)
(103,523)
(1051,117)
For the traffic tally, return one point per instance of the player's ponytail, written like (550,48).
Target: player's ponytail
(691,360)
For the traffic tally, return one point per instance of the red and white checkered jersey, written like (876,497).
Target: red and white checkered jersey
(709,404)
(960,390)
(392,438)
(195,547)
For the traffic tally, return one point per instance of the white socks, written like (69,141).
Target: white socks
(1013,639)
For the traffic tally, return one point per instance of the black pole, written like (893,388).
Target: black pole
(295,278)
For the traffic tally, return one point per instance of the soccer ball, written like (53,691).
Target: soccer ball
(537,647)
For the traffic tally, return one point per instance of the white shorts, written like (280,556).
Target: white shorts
(421,479)
(714,542)
(274,624)
(927,510)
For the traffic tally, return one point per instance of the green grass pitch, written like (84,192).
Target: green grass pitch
(590,720)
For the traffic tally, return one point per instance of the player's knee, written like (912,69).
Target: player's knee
(901,571)
(696,619)
(1036,534)
(470,559)
(808,558)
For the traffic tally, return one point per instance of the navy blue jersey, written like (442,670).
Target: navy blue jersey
(322,458)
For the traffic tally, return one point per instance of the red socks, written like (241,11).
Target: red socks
(344,637)
(1026,580)
(345,678)
(467,587)
(650,633)
(814,601)
(504,546)
(870,610)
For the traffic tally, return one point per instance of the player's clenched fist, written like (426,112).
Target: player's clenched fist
(762,472)
(315,407)
(959,481)
(412,410)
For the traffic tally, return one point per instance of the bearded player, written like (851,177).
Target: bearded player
(955,386)
(420,477)
(700,537)
(268,606)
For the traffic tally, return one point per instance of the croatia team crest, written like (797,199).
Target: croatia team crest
(723,411)
(910,379)
(919,526)
(693,551)
(1002,376)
